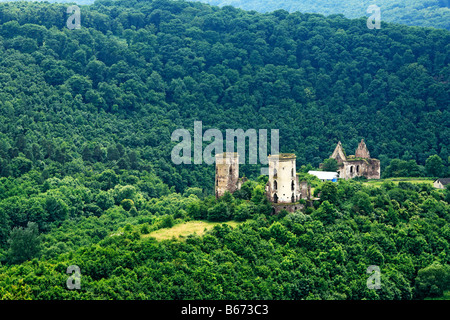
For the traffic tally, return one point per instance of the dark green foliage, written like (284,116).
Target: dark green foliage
(244,211)
(330,164)
(326,212)
(87,116)
(362,203)
(113,101)
(329,192)
(220,212)
(24,243)
(167,221)
(432,281)
(432,13)
(127,204)
(402,168)
(434,166)
(324,254)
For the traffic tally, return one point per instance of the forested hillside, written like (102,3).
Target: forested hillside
(321,254)
(86,118)
(111,93)
(55,1)
(430,13)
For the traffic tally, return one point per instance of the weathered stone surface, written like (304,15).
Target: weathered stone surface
(283,185)
(289,207)
(358,165)
(227,173)
(369,168)
(339,153)
(362,151)
(305,190)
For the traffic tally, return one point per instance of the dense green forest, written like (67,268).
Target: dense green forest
(429,13)
(86,117)
(110,94)
(320,254)
(78,2)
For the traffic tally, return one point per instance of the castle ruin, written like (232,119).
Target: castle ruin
(358,165)
(227,173)
(283,188)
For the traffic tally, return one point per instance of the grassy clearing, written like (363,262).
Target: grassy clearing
(378,183)
(182,230)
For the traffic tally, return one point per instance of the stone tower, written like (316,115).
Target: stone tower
(227,173)
(283,185)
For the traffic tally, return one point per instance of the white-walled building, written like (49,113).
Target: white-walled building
(325,175)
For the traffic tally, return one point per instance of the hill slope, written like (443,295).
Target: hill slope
(111,93)
(431,13)
(86,118)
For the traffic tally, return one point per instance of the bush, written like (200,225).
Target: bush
(127,204)
(24,243)
(219,212)
(432,281)
(145,229)
(330,165)
(167,221)
(197,210)
(243,212)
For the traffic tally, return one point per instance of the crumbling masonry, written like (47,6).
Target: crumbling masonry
(358,165)
(284,190)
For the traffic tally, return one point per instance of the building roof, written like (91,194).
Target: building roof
(339,153)
(324,175)
(444,181)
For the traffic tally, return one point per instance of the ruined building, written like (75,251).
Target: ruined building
(283,185)
(283,188)
(358,165)
(227,173)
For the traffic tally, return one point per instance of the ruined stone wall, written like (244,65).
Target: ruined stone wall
(227,173)
(358,165)
(362,151)
(369,168)
(289,207)
(305,190)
